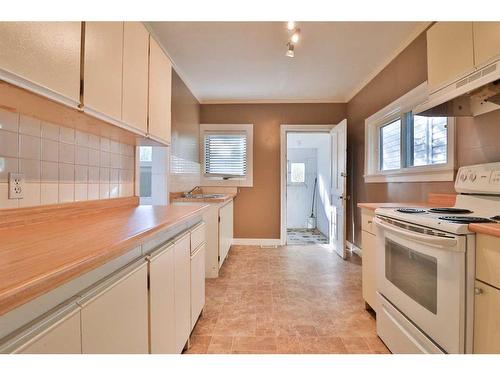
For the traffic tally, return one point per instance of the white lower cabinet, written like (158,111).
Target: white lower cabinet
(225,231)
(162,301)
(182,261)
(56,333)
(197,283)
(115,314)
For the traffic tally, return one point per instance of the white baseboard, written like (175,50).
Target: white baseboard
(257,241)
(353,248)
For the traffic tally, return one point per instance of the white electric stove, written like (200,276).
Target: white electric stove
(425,267)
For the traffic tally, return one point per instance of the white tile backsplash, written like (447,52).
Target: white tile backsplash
(31,169)
(61,164)
(66,193)
(66,153)
(93,175)
(81,155)
(50,131)
(104,159)
(29,125)
(50,172)
(94,157)
(50,150)
(105,144)
(29,147)
(66,173)
(82,138)
(49,193)
(5,202)
(81,193)
(7,165)
(81,174)
(9,121)
(67,135)
(31,195)
(93,192)
(9,144)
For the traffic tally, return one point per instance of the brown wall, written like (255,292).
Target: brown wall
(257,209)
(185,152)
(476,138)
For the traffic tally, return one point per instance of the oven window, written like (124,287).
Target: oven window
(415,274)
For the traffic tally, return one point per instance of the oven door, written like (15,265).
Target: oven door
(423,276)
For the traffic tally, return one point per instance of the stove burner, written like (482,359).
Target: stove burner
(410,210)
(450,210)
(466,219)
(497,218)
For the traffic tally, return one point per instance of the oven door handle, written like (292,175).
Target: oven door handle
(434,241)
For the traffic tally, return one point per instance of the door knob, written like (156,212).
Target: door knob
(343,174)
(478,291)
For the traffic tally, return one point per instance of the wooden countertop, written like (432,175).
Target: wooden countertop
(433,200)
(492,229)
(374,206)
(39,256)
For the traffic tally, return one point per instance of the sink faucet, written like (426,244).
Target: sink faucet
(193,189)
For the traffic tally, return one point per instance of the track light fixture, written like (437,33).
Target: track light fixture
(293,38)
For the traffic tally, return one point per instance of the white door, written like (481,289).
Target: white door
(197,284)
(338,188)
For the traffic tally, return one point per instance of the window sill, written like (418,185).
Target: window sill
(412,176)
(233,182)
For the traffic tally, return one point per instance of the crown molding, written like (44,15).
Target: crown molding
(334,100)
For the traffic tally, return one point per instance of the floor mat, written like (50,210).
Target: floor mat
(301,236)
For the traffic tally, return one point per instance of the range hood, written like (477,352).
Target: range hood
(471,95)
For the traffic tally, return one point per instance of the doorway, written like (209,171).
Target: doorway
(308,185)
(313,185)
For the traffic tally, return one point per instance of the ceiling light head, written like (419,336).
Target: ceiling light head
(290,25)
(295,36)
(290,50)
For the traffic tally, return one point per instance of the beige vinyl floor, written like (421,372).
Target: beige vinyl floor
(286,300)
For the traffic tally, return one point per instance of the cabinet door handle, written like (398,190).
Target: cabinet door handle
(369,221)
(478,291)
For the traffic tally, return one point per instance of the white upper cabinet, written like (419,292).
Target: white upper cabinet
(103,62)
(486,42)
(135,76)
(43,57)
(450,52)
(160,94)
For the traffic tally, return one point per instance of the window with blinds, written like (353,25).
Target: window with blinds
(225,154)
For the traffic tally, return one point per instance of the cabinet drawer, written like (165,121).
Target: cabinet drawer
(488,259)
(197,236)
(367,221)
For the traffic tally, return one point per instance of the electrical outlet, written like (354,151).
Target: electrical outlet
(16,185)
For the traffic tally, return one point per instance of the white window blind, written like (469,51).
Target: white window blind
(225,154)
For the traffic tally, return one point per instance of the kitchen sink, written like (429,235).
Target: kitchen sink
(203,196)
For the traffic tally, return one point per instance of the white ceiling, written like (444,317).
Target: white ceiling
(246,62)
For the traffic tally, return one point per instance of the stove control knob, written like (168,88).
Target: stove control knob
(472,177)
(463,177)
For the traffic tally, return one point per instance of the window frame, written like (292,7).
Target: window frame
(397,110)
(293,183)
(207,180)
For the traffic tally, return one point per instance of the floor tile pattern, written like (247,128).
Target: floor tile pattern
(286,300)
(302,236)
